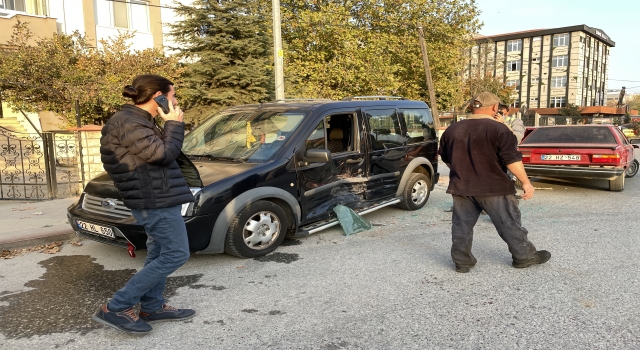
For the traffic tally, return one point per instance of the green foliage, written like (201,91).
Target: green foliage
(227,44)
(58,71)
(571,110)
(335,48)
(634,102)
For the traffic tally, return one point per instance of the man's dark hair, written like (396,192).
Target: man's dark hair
(145,86)
(501,107)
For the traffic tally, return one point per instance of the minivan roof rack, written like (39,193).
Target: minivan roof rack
(351,98)
(302,99)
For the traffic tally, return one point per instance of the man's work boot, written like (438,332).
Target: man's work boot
(125,321)
(540,257)
(167,313)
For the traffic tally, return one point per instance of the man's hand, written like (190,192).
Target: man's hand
(175,113)
(528,191)
(498,118)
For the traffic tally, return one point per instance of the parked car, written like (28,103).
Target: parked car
(578,151)
(260,172)
(630,131)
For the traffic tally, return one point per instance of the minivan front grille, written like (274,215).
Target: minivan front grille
(105,206)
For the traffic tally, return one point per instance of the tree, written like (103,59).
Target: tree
(573,111)
(227,44)
(634,102)
(60,70)
(476,84)
(335,48)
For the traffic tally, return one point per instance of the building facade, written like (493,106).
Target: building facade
(549,68)
(97,19)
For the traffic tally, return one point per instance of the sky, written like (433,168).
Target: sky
(616,18)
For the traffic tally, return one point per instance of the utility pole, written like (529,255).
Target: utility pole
(278,56)
(427,72)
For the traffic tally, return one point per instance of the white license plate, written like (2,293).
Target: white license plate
(101,230)
(560,157)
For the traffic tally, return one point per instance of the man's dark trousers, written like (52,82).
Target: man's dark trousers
(505,215)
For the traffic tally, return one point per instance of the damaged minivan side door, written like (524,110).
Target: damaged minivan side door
(341,179)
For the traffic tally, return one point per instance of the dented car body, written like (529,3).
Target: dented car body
(260,172)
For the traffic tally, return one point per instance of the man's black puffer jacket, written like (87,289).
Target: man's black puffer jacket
(141,160)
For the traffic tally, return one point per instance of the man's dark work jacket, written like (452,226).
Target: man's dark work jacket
(478,150)
(141,160)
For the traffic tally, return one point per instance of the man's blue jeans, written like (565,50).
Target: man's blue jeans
(167,250)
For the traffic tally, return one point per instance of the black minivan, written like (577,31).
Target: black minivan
(260,172)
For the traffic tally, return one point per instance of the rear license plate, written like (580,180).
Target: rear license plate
(560,157)
(97,229)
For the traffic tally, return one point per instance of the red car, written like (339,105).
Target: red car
(579,151)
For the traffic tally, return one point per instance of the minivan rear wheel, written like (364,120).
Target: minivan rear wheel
(416,192)
(257,230)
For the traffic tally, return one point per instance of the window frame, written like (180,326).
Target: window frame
(561,37)
(556,79)
(558,101)
(514,45)
(510,66)
(556,59)
(369,130)
(513,82)
(430,125)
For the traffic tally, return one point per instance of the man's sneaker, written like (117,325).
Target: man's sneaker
(540,257)
(167,313)
(125,321)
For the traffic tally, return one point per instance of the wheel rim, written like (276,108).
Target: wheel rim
(419,192)
(261,230)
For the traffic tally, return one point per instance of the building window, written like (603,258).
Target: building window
(14,5)
(533,99)
(537,38)
(560,61)
(535,60)
(535,80)
(513,66)
(515,83)
(514,45)
(561,40)
(558,82)
(558,102)
(125,14)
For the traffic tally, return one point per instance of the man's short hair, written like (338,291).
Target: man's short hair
(485,99)
(502,106)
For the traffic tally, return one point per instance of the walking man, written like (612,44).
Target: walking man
(141,161)
(478,152)
(515,124)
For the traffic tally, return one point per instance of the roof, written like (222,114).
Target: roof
(589,111)
(595,32)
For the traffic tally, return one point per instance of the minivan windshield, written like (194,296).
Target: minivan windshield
(253,136)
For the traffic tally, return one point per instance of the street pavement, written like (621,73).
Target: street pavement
(392,287)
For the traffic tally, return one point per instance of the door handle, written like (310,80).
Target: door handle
(359,160)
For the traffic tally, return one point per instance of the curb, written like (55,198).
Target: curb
(50,237)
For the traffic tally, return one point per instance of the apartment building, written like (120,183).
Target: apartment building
(549,68)
(97,19)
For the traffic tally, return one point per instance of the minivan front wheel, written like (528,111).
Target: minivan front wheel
(257,230)
(416,192)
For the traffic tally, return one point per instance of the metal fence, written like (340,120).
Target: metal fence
(39,166)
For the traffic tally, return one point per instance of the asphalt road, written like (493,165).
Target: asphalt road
(393,287)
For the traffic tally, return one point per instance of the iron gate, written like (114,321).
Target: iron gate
(39,166)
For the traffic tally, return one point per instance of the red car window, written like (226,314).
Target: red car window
(571,134)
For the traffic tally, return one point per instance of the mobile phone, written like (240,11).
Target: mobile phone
(163,102)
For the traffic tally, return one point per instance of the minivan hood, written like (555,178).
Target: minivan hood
(215,171)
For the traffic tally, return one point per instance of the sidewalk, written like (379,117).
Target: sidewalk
(24,224)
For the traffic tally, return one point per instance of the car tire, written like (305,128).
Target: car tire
(632,170)
(416,192)
(617,184)
(257,230)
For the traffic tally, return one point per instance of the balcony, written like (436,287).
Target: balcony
(40,26)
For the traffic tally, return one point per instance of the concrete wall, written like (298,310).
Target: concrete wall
(41,27)
(90,138)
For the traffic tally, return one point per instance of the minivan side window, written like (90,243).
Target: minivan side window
(317,138)
(384,128)
(419,123)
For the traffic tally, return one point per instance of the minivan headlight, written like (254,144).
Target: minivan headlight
(187,208)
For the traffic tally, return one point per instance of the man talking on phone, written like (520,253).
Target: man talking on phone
(141,161)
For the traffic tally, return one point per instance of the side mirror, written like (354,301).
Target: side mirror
(636,146)
(317,156)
